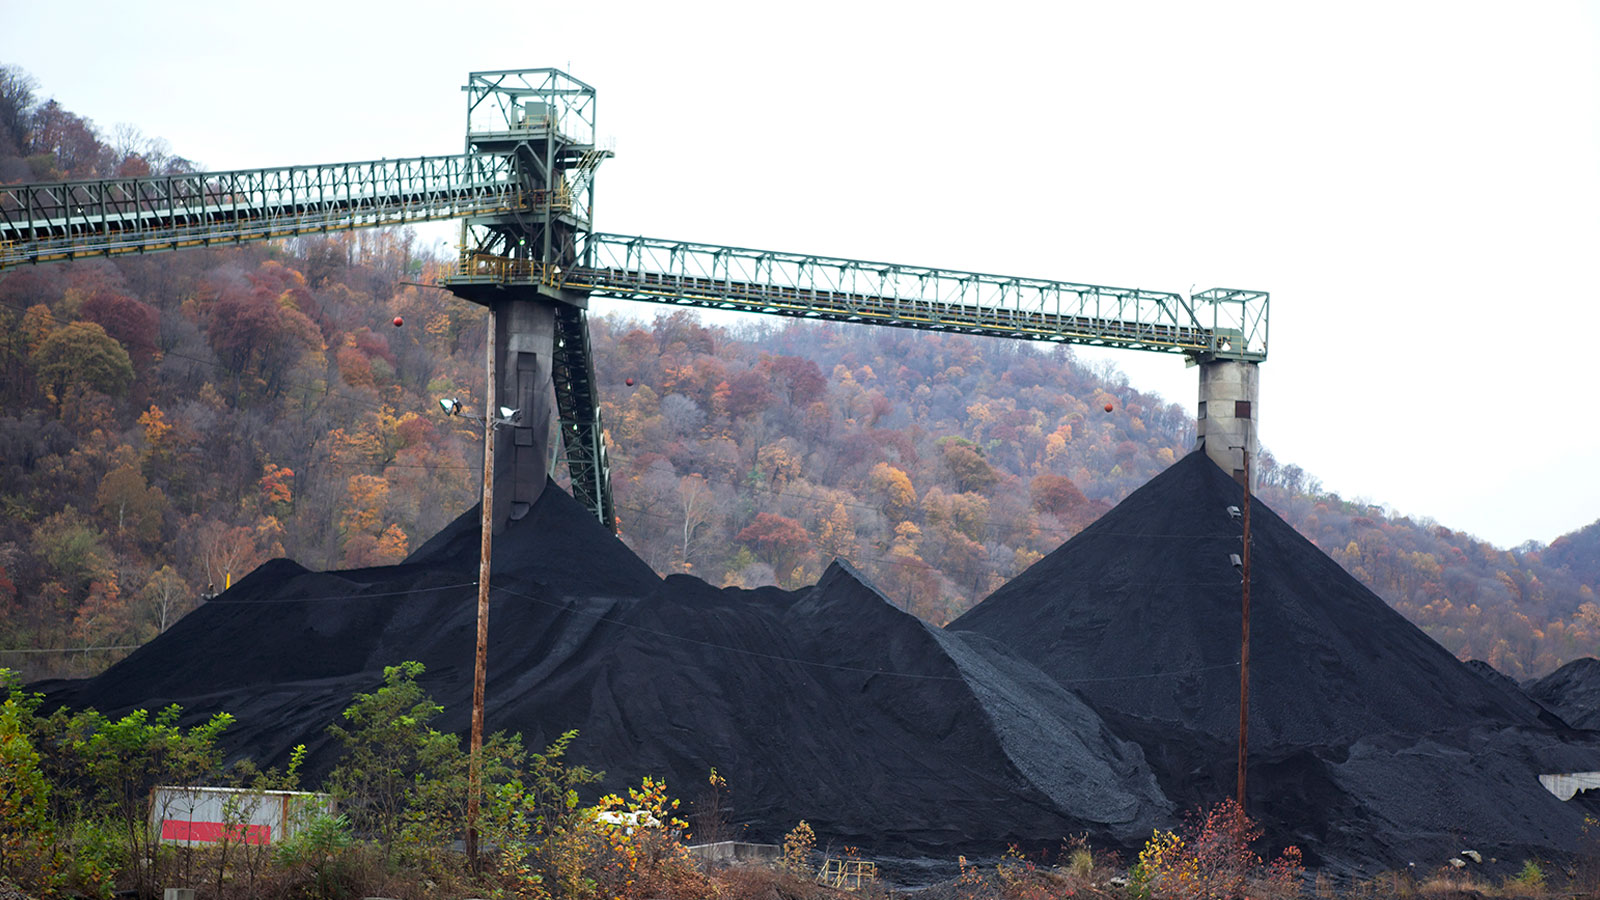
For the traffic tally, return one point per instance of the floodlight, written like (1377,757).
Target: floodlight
(508,414)
(1235,512)
(1237,562)
(450,406)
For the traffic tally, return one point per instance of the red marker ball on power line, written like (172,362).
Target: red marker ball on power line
(1108,407)
(398,321)
(628,382)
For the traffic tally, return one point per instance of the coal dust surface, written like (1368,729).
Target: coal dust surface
(827,704)
(1096,693)
(1572,692)
(1370,743)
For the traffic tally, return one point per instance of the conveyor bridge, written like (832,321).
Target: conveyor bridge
(842,290)
(524,190)
(116,216)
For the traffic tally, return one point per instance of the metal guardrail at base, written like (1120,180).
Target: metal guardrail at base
(848,874)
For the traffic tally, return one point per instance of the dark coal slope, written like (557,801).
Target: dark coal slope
(828,705)
(286,648)
(1371,745)
(1139,613)
(1573,692)
(1518,695)
(558,542)
(834,707)
(1424,797)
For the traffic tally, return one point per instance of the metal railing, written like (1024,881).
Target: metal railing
(1218,323)
(847,874)
(108,217)
(1226,324)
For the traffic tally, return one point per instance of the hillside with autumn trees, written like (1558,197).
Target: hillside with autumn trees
(170,421)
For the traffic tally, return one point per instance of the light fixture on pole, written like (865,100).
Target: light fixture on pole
(452,407)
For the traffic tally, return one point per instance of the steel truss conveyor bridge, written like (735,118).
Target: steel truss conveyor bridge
(524,190)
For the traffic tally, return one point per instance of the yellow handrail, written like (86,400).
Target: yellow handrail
(847,873)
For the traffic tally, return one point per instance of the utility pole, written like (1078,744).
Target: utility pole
(1244,638)
(480,664)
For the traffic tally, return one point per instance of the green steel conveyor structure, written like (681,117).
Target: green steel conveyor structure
(523,189)
(115,216)
(1221,323)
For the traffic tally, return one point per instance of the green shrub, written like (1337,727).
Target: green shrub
(319,852)
(1529,881)
(124,758)
(402,782)
(543,833)
(388,749)
(95,855)
(27,835)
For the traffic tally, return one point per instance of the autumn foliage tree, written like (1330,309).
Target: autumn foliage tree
(777,539)
(77,358)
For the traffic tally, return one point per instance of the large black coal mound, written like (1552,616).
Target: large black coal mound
(1572,691)
(827,704)
(1140,613)
(1371,744)
(1096,693)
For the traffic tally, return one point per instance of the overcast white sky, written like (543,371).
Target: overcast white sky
(1417,184)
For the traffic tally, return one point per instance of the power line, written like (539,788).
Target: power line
(1232,538)
(73,649)
(388,465)
(711,645)
(820,501)
(772,657)
(278,600)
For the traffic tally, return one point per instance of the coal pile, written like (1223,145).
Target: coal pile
(1370,742)
(1140,613)
(1518,696)
(1096,693)
(827,704)
(1572,692)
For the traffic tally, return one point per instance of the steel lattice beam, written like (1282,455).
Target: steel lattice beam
(1221,324)
(109,217)
(1215,324)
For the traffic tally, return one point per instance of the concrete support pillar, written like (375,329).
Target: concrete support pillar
(524,347)
(1229,410)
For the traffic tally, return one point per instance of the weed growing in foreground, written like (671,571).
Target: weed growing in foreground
(1529,882)
(1210,858)
(798,845)
(27,852)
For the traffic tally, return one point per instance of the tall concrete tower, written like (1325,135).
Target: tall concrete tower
(1230,377)
(1225,421)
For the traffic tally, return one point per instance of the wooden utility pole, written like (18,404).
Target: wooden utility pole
(1244,637)
(480,663)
